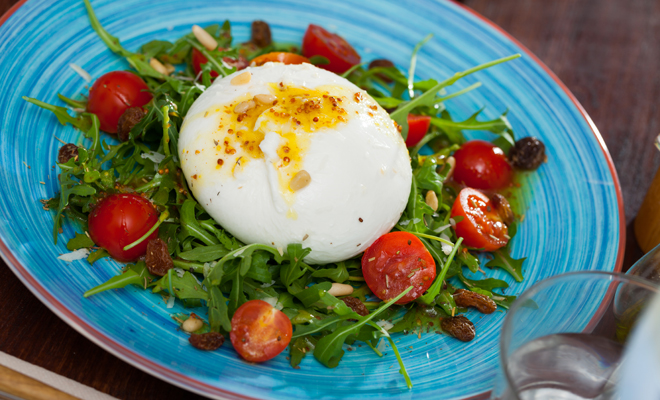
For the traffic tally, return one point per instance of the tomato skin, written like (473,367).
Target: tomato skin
(319,42)
(259,332)
(418,125)
(197,60)
(113,93)
(482,165)
(279,56)
(481,226)
(120,219)
(394,256)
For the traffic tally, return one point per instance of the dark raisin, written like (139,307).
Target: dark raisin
(158,258)
(67,152)
(381,62)
(261,34)
(207,341)
(503,208)
(240,63)
(459,327)
(131,117)
(466,298)
(527,153)
(356,305)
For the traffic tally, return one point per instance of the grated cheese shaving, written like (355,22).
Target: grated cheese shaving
(83,74)
(74,255)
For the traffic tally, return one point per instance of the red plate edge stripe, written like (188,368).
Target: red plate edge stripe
(143,363)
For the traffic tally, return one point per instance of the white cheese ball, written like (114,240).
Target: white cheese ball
(247,137)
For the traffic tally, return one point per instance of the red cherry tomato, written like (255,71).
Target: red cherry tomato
(259,332)
(482,165)
(418,125)
(197,60)
(396,261)
(319,42)
(279,56)
(481,225)
(113,93)
(119,220)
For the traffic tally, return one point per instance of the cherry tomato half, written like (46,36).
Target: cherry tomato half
(279,56)
(482,165)
(319,42)
(197,60)
(259,332)
(481,226)
(113,93)
(418,125)
(394,262)
(119,220)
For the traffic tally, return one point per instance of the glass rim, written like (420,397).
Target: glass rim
(538,286)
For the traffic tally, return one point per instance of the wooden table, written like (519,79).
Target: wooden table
(605,51)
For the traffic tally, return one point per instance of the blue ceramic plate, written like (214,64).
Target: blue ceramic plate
(572,204)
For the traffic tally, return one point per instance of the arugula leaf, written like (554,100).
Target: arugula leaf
(469,261)
(338,274)
(446,301)
(184,287)
(319,60)
(329,351)
(68,187)
(82,122)
(109,40)
(294,269)
(135,275)
(218,312)
(426,176)
(502,259)
(97,255)
(313,294)
(79,241)
(245,254)
(428,98)
(259,268)
(503,301)
(485,284)
(435,288)
(236,296)
(81,104)
(190,226)
(299,349)
(319,325)
(498,125)
(205,253)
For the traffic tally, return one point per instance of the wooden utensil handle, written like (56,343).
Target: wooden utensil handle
(22,386)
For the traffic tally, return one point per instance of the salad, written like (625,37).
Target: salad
(134,203)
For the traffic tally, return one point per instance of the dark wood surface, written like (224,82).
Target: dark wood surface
(605,51)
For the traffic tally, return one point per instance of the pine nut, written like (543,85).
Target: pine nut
(432,200)
(451,161)
(155,64)
(244,106)
(241,79)
(265,98)
(192,324)
(204,38)
(170,68)
(340,289)
(301,180)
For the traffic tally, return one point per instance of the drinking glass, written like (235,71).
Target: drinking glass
(552,345)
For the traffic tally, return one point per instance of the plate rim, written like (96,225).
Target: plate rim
(190,384)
